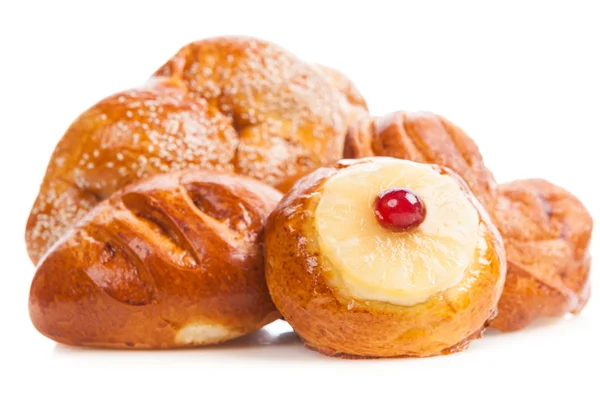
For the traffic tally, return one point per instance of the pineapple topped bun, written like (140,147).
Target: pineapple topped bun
(382,257)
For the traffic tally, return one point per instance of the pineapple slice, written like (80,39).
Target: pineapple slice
(370,262)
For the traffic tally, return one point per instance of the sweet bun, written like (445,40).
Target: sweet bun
(350,287)
(546,230)
(547,233)
(175,260)
(290,116)
(125,137)
(225,104)
(423,137)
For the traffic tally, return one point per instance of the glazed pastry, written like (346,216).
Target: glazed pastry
(125,137)
(224,104)
(546,230)
(175,260)
(381,257)
(423,137)
(290,116)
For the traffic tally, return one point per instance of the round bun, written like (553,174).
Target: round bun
(225,104)
(547,233)
(319,296)
(291,116)
(171,261)
(546,230)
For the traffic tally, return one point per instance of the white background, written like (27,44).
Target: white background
(522,78)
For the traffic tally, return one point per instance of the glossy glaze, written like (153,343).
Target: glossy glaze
(399,209)
(403,268)
(175,260)
(546,230)
(423,137)
(225,104)
(335,325)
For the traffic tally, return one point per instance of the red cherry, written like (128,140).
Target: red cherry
(399,209)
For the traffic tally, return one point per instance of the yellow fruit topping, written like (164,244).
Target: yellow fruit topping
(404,268)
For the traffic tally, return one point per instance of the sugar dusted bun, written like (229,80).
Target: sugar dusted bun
(125,137)
(175,260)
(225,104)
(291,116)
(351,288)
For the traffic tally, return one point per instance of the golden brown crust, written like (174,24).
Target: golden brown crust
(161,255)
(340,326)
(225,104)
(457,348)
(345,85)
(422,137)
(546,231)
(125,137)
(290,116)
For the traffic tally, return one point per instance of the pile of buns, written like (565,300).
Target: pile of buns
(237,187)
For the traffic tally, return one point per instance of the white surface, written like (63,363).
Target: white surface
(522,79)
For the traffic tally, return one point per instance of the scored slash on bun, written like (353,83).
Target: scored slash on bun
(171,261)
(225,104)
(123,138)
(148,235)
